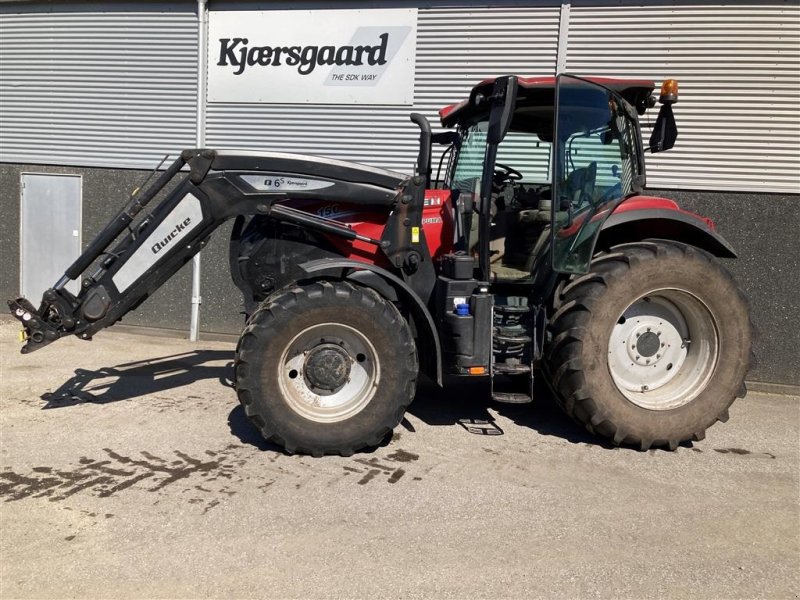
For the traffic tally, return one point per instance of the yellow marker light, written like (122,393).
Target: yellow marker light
(477,370)
(669,91)
(22,335)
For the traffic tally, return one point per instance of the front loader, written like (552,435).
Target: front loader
(534,251)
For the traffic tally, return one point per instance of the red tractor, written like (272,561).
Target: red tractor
(534,251)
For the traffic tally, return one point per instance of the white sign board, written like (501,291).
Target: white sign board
(312,56)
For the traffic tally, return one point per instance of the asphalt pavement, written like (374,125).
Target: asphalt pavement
(128,470)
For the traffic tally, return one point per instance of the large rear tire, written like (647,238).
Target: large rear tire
(327,368)
(652,346)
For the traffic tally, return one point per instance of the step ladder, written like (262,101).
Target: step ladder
(512,350)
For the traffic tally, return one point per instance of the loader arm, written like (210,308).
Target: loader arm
(61,313)
(132,257)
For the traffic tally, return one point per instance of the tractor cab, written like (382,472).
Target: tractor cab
(538,160)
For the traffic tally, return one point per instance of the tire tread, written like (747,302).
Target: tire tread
(573,308)
(290,299)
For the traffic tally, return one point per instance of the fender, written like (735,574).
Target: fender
(392,288)
(643,217)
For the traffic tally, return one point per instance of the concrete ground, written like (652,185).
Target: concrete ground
(127,470)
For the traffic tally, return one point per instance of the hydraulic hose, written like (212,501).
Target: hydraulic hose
(118,224)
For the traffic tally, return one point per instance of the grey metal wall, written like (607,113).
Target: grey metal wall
(739,72)
(105,84)
(456,47)
(97,84)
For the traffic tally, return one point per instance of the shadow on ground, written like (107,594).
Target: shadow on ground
(134,379)
(461,403)
(248,433)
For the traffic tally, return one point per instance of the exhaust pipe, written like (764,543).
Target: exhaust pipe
(424,156)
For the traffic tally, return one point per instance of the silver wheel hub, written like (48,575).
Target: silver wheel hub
(663,349)
(328,372)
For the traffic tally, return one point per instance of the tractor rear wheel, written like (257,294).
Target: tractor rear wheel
(652,346)
(326,368)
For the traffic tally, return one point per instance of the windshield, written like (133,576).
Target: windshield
(597,165)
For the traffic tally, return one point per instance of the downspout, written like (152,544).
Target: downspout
(200,136)
(563,36)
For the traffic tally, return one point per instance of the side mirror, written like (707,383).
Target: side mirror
(504,98)
(665,131)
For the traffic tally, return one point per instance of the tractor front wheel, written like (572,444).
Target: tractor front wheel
(327,368)
(652,346)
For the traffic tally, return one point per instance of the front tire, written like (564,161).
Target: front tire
(327,368)
(652,346)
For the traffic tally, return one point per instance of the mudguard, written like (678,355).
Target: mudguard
(392,288)
(649,217)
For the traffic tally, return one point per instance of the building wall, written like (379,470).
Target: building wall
(763,230)
(109,84)
(737,66)
(115,84)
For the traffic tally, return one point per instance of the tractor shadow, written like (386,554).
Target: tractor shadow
(135,379)
(248,433)
(463,403)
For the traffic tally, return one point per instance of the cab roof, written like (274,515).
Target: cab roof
(540,91)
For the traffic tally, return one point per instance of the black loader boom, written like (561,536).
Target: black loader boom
(220,185)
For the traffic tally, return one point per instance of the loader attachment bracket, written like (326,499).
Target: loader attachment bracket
(44,326)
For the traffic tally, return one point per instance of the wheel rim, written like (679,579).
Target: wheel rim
(328,372)
(663,349)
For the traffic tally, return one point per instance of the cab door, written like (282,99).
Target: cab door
(595,166)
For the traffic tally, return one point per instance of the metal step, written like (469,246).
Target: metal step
(511,368)
(512,339)
(510,330)
(511,397)
(511,310)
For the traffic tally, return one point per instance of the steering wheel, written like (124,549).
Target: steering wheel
(505,173)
